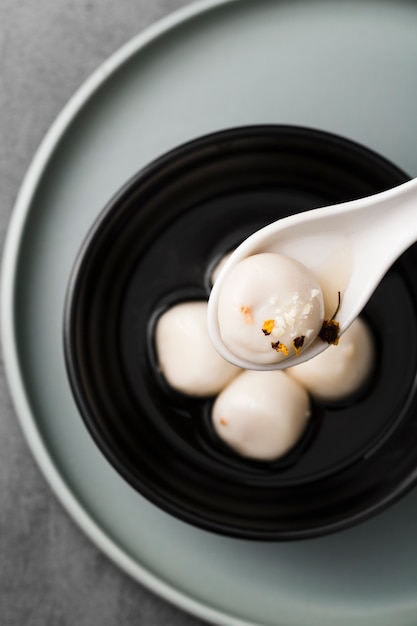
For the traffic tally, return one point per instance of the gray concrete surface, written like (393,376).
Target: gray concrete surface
(50,573)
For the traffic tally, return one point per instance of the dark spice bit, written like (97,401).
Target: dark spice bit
(330,332)
(297,344)
(330,329)
(279,347)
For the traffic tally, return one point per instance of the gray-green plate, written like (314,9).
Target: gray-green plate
(345,67)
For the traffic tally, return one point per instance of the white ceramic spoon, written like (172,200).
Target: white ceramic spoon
(349,246)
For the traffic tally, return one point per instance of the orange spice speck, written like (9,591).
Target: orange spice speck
(279,347)
(247,313)
(223,421)
(268,327)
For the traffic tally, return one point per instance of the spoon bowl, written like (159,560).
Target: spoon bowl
(349,247)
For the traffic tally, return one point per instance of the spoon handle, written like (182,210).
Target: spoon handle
(381,228)
(392,215)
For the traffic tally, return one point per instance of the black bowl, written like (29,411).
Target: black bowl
(154,245)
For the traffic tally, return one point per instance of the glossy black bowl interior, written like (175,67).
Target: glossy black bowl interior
(155,244)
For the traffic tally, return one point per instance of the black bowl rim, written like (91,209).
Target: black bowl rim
(207,141)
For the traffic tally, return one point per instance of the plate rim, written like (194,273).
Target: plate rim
(9,266)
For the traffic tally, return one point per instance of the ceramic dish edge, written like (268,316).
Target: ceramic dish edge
(7,330)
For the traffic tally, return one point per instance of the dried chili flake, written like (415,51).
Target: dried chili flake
(268,327)
(279,347)
(330,329)
(297,344)
(223,421)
